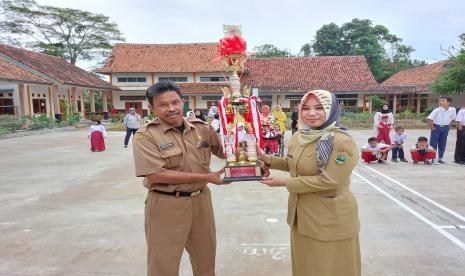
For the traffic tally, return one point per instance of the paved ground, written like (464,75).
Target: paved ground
(68,211)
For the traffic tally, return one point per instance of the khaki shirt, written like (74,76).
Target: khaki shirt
(158,146)
(321,203)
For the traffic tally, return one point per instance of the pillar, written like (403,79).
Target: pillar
(364,103)
(111,90)
(74,99)
(83,106)
(92,100)
(394,104)
(56,103)
(104,103)
(50,102)
(371,106)
(22,102)
(278,100)
(28,92)
(153,77)
(418,103)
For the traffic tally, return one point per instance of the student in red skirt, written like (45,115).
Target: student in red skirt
(374,151)
(422,152)
(384,130)
(97,133)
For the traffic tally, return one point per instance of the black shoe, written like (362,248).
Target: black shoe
(404,160)
(428,163)
(380,161)
(125,146)
(394,160)
(460,162)
(415,162)
(441,162)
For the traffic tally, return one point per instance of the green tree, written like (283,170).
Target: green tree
(67,33)
(306,50)
(383,50)
(452,79)
(330,41)
(269,50)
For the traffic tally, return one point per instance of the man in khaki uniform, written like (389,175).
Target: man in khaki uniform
(173,154)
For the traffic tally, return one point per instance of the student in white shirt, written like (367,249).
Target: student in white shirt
(439,122)
(398,140)
(97,133)
(422,152)
(131,124)
(459,155)
(374,151)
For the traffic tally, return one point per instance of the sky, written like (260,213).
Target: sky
(426,25)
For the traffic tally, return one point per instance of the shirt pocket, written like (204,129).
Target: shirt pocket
(172,158)
(205,155)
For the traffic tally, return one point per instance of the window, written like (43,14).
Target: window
(175,79)
(132,79)
(214,79)
(39,106)
(211,98)
(7,107)
(132,98)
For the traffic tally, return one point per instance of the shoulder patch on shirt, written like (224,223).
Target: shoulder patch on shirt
(140,136)
(341,159)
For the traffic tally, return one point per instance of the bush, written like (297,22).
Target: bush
(10,123)
(74,118)
(40,121)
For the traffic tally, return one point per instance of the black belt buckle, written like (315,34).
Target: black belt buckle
(178,194)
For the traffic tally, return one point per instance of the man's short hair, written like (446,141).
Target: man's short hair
(160,88)
(449,99)
(422,139)
(398,128)
(372,139)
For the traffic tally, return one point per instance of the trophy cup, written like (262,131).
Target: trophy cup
(240,127)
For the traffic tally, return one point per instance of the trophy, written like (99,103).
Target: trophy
(240,127)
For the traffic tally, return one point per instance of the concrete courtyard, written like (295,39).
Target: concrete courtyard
(68,211)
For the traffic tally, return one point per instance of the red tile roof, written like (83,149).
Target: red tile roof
(169,58)
(11,72)
(302,74)
(422,75)
(54,67)
(201,88)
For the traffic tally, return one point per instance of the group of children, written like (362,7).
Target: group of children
(377,149)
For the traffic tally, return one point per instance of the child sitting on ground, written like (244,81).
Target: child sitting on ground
(398,140)
(374,151)
(422,152)
(384,129)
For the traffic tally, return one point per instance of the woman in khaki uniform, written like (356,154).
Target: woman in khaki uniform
(322,210)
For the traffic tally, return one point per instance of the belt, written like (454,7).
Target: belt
(441,126)
(178,194)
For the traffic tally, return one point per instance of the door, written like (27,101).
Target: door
(137,106)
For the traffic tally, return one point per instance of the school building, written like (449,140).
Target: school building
(35,83)
(410,88)
(200,75)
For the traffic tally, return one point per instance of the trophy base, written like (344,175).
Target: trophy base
(242,173)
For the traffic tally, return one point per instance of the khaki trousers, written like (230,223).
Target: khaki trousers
(174,223)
